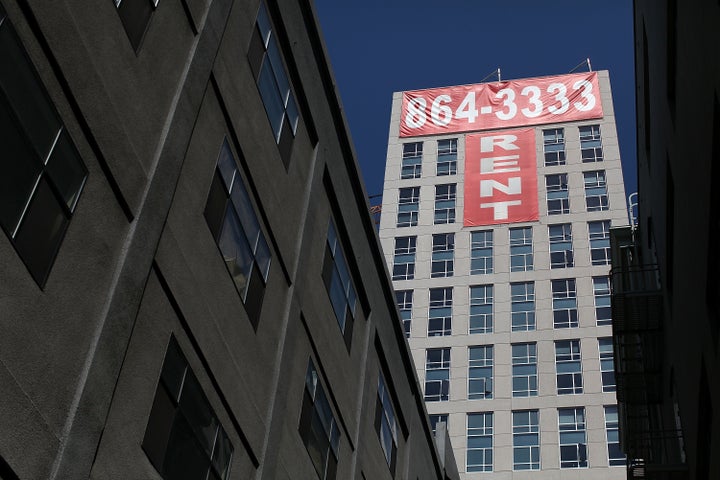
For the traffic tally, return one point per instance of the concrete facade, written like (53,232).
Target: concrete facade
(501,338)
(90,323)
(671,393)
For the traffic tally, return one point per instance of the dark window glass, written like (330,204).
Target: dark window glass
(339,285)
(135,16)
(41,172)
(184,440)
(235,227)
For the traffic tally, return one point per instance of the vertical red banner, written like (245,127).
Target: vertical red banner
(500,178)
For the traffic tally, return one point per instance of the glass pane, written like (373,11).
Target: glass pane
(41,232)
(274,105)
(198,412)
(26,94)
(226,165)
(236,253)
(20,170)
(245,212)
(66,170)
(173,370)
(263,257)
(184,458)
(222,454)
(278,70)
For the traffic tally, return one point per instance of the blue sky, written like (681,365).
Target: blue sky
(377,47)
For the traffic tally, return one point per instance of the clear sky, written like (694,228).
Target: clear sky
(378,47)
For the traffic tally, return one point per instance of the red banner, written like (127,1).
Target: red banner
(500,178)
(485,106)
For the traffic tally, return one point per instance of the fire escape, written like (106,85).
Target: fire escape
(654,451)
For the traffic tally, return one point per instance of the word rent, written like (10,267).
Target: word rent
(494,164)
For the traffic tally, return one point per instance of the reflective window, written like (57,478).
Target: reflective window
(554,147)
(573,443)
(524,370)
(440,312)
(481,309)
(184,438)
(564,302)
(404,259)
(41,172)
(385,424)
(568,365)
(443,254)
(521,250)
(437,374)
(522,305)
(481,252)
(561,249)
(235,227)
(590,144)
(480,442)
(411,160)
(447,157)
(480,372)
(339,284)
(444,204)
(526,440)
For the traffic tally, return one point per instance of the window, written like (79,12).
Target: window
(447,157)
(385,424)
(526,440)
(601,290)
(522,298)
(318,427)
(437,374)
(266,62)
(404,260)
(235,227)
(568,366)
(404,300)
(596,198)
(573,446)
(558,200)
(521,254)
(561,251)
(524,370)
(339,285)
(408,205)
(612,431)
(481,252)
(480,442)
(565,313)
(135,17)
(411,160)
(42,172)
(599,242)
(607,365)
(443,251)
(480,372)
(590,145)
(481,309)
(437,418)
(445,203)
(440,314)
(184,438)
(554,147)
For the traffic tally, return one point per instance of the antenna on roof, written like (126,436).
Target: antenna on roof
(584,62)
(494,72)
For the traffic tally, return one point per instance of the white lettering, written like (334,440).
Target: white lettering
(491,164)
(500,209)
(487,144)
(512,188)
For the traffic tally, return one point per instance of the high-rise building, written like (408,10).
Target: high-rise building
(191,286)
(666,288)
(497,207)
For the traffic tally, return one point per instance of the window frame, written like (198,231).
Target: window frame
(524,357)
(445,203)
(561,245)
(408,206)
(411,164)
(481,252)
(441,369)
(596,194)
(557,194)
(337,273)
(447,157)
(407,254)
(440,311)
(443,255)
(612,429)
(607,364)
(602,299)
(570,430)
(527,430)
(554,147)
(568,365)
(404,299)
(564,303)
(519,303)
(599,242)
(482,433)
(481,309)
(521,247)
(385,422)
(591,150)
(480,371)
